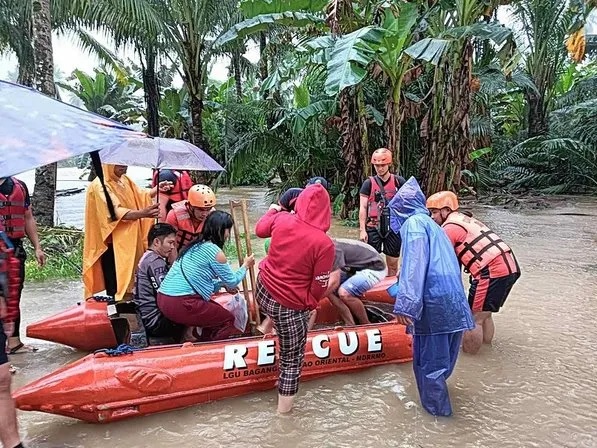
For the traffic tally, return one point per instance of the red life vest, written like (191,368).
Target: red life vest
(185,225)
(481,245)
(12,211)
(373,207)
(181,189)
(10,278)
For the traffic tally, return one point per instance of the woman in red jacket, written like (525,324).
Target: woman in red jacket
(294,277)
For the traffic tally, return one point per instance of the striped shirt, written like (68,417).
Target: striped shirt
(205,275)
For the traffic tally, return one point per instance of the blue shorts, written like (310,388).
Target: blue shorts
(361,282)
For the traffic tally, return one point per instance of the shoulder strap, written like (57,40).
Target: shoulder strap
(380,184)
(187,279)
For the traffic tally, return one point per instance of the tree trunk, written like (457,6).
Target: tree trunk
(392,124)
(354,138)
(449,144)
(237,75)
(45,177)
(537,117)
(196,108)
(263,71)
(26,73)
(152,92)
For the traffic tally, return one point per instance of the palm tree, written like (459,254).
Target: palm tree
(16,36)
(546,23)
(45,177)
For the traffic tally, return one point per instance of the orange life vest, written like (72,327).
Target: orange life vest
(185,225)
(12,211)
(481,246)
(373,207)
(181,189)
(10,278)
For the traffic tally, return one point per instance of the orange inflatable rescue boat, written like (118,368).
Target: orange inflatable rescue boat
(88,327)
(113,385)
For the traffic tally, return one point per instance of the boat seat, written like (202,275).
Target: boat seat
(122,331)
(126,307)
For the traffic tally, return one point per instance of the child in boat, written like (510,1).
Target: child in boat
(430,297)
(151,271)
(200,270)
(294,277)
(359,267)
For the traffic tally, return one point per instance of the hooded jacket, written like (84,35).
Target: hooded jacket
(430,289)
(297,267)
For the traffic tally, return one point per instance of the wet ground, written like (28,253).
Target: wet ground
(535,387)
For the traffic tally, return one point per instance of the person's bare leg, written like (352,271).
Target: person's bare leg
(333,282)
(488,329)
(473,339)
(392,263)
(9,432)
(266,326)
(343,310)
(312,320)
(285,403)
(355,305)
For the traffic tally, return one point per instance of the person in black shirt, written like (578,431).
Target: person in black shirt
(376,192)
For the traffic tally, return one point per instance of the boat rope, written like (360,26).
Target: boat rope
(122,349)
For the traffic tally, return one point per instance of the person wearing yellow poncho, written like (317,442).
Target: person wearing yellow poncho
(113,245)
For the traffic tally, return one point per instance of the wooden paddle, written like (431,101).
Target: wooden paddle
(255,318)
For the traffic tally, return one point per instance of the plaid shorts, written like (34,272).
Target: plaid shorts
(291,327)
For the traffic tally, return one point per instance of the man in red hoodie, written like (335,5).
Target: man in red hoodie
(294,277)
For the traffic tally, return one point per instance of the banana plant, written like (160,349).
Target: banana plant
(450,51)
(350,58)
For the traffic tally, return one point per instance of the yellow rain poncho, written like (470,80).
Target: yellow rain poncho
(128,237)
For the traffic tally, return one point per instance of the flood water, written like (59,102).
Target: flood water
(535,387)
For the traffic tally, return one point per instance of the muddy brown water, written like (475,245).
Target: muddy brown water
(535,387)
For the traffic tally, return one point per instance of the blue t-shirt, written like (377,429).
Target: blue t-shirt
(205,275)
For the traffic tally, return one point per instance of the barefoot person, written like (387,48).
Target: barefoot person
(483,254)
(360,268)
(293,277)
(430,297)
(9,311)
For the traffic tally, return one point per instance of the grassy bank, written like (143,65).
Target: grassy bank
(64,254)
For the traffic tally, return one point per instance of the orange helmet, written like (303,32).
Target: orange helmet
(201,196)
(443,199)
(381,156)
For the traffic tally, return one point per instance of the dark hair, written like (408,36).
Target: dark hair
(289,197)
(319,180)
(159,230)
(214,230)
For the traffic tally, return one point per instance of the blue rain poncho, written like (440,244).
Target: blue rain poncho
(430,291)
